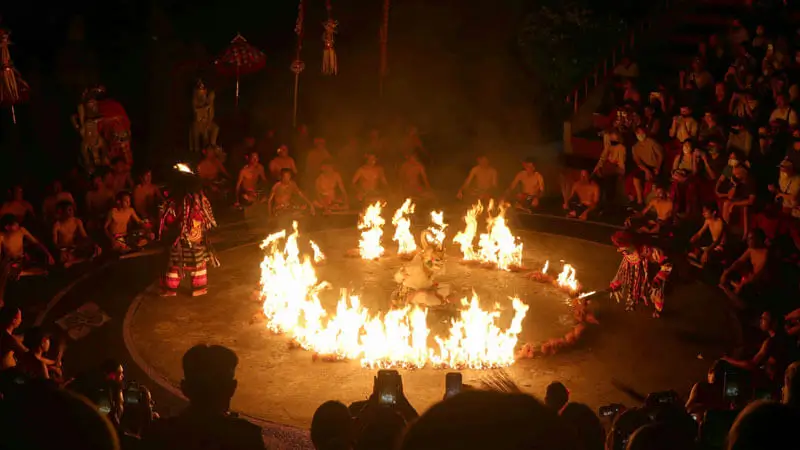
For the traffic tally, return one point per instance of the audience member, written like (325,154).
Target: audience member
(332,427)
(556,397)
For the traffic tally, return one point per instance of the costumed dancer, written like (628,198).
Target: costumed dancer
(632,282)
(416,279)
(191,253)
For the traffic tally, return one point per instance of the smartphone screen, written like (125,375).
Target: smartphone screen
(132,395)
(103,403)
(388,387)
(452,384)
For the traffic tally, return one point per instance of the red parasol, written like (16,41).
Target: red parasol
(13,89)
(240,58)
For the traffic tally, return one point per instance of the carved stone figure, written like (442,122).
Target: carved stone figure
(204,130)
(94,151)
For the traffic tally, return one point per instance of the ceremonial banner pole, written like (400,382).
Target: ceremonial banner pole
(384,37)
(297,64)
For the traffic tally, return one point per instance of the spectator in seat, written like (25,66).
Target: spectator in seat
(710,129)
(739,138)
(709,395)
(716,58)
(684,185)
(209,383)
(556,396)
(751,267)
(710,167)
(760,41)
(793,153)
(625,424)
(699,75)
(783,112)
(740,197)
(774,354)
(627,68)
(744,105)
(584,425)
(332,427)
(648,156)
(651,120)
(658,436)
(737,34)
(787,190)
(790,394)
(764,426)
(684,127)
(630,93)
(34,362)
(611,166)
(382,430)
(10,345)
(720,104)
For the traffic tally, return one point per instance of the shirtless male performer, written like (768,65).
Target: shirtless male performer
(280,162)
(583,198)
(117,225)
(326,185)
(662,205)
(751,266)
(485,178)
(282,194)
(699,255)
(98,202)
(531,186)
(249,176)
(414,179)
(12,244)
(50,203)
(119,178)
(70,238)
(146,196)
(369,179)
(314,159)
(18,206)
(210,168)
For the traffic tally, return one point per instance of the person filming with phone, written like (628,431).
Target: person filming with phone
(387,392)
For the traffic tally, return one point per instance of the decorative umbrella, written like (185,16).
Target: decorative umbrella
(13,89)
(240,58)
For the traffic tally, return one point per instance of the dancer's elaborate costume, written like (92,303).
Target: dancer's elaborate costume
(191,253)
(416,278)
(633,282)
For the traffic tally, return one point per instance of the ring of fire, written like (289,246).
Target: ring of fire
(475,336)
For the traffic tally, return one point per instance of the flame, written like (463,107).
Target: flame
(371,223)
(402,229)
(499,246)
(465,239)
(546,266)
(291,291)
(181,167)
(436,234)
(566,279)
(318,255)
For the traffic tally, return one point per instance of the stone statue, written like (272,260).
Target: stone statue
(94,151)
(417,277)
(204,130)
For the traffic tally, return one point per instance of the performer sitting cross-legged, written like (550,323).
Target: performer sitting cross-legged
(15,259)
(281,197)
(584,196)
(249,177)
(484,177)
(531,186)
(700,255)
(117,226)
(331,194)
(370,180)
(662,205)
(70,238)
(191,252)
(414,179)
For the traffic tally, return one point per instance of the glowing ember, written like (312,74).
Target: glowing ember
(498,246)
(399,338)
(371,223)
(181,167)
(465,239)
(435,233)
(406,244)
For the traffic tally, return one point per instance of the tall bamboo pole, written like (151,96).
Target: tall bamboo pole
(297,64)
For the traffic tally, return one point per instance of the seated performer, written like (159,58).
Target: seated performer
(369,180)
(117,223)
(281,197)
(191,253)
(531,186)
(15,259)
(211,170)
(327,184)
(50,203)
(119,179)
(583,198)
(280,162)
(414,179)
(70,238)
(662,205)
(751,267)
(314,158)
(701,255)
(146,196)
(485,178)
(18,206)
(249,176)
(99,201)
(741,197)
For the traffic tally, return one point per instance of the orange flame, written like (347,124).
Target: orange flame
(371,223)
(402,228)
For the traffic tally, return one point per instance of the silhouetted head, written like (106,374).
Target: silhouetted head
(332,427)
(209,377)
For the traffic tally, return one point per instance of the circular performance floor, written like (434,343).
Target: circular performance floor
(284,385)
